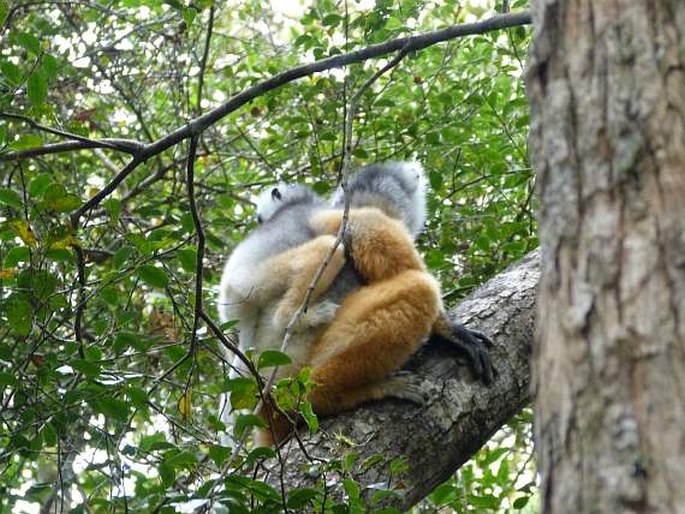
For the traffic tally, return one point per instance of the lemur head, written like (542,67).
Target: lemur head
(273,200)
(397,188)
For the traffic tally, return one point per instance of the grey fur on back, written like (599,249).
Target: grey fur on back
(396,188)
(285,225)
(289,226)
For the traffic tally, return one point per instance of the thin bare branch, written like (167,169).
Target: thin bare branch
(124,145)
(198,125)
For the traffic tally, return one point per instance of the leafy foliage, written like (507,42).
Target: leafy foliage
(107,389)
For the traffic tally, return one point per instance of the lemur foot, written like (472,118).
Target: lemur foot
(474,345)
(316,315)
(321,313)
(405,385)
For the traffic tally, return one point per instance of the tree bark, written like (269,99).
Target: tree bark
(607,90)
(460,414)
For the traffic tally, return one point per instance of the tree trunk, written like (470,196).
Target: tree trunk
(460,414)
(607,90)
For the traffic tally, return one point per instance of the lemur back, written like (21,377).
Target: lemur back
(398,189)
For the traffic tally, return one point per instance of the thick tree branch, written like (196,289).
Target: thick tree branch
(460,415)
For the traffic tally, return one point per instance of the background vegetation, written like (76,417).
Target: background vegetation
(104,397)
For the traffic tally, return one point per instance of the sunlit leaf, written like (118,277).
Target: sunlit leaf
(10,197)
(309,416)
(271,358)
(37,87)
(184,404)
(153,276)
(23,229)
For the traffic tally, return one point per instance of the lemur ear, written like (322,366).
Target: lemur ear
(276,194)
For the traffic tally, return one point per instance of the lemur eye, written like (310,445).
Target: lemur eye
(276,194)
(259,219)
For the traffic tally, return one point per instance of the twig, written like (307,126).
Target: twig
(201,123)
(203,62)
(124,145)
(197,222)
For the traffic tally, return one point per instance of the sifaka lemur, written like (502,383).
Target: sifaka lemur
(389,303)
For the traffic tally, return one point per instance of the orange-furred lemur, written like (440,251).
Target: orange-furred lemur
(388,302)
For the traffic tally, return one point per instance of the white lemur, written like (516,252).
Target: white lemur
(277,260)
(389,303)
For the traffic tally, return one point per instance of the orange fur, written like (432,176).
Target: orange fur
(375,331)
(299,265)
(378,327)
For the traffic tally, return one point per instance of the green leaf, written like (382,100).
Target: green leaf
(7,379)
(245,421)
(11,198)
(272,358)
(111,408)
(16,255)
(121,256)
(181,459)
(188,259)
(58,255)
(331,20)
(39,185)
(152,442)
(19,315)
(125,340)
(521,502)
(90,369)
(11,72)
(299,498)
(138,397)
(394,24)
(110,294)
(29,42)
(260,453)
(3,12)
(167,474)
(260,490)
(444,493)
(153,276)
(50,66)
(351,488)
(26,141)
(219,454)
(187,223)
(37,87)
(309,417)
(486,500)
(57,199)
(49,434)
(189,15)
(113,208)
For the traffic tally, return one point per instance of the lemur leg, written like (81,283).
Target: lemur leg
(304,262)
(380,249)
(380,246)
(282,427)
(375,331)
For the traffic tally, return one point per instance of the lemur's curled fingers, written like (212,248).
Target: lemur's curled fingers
(474,345)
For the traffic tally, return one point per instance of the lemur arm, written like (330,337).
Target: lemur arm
(300,265)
